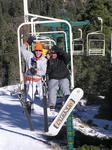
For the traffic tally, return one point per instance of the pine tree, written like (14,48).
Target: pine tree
(97,73)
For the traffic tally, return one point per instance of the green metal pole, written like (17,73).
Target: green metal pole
(70,132)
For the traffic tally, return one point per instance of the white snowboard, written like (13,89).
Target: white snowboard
(65,111)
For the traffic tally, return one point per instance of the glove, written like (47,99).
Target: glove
(31,39)
(33,62)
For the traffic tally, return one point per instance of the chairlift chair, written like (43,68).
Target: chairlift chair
(78,44)
(51,34)
(48,42)
(95,44)
(96,41)
(50,21)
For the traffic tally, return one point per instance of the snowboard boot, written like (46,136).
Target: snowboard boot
(65,99)
(32,106)
(52,112)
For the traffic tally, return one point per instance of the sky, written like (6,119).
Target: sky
(14,129)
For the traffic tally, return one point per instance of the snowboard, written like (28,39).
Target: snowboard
(65,111)
(26,111)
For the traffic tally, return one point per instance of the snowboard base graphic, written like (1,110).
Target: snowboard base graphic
(65,111)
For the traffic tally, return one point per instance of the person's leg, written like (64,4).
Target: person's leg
(31,94)
(39,93)
(65,87)
(31,88)
(52,92)
(39,88)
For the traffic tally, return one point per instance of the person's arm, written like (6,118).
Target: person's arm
(50,65)
(64,56)
(27,55)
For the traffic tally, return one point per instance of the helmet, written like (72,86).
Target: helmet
(38,46)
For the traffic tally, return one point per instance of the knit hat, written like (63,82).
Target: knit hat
(38,46)
(55,49)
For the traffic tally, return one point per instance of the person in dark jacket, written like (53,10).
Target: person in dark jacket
(58,74)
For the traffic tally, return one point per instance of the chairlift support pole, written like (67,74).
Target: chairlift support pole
(70,132)
(101,20)
(25,4)
(80,33)
(80,37)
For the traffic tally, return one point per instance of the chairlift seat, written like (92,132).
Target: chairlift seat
(78,47)
(96,43)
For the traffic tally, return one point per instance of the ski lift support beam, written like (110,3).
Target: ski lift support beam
(79,23)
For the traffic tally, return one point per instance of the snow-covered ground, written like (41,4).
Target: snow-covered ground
(14,129)
(89,125)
